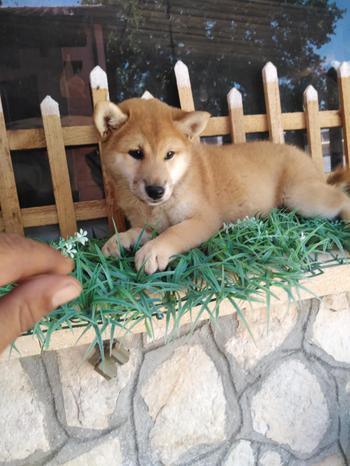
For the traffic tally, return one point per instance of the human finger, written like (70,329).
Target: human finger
(21,258)
(30,301)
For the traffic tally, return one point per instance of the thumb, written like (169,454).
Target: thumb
(31,300)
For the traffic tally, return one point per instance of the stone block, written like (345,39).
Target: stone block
(241,454)
(22,415)
(186,401)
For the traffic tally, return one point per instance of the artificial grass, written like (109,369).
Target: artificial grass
(241,262)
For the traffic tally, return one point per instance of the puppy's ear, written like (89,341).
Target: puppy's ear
(192,124)
(108,117)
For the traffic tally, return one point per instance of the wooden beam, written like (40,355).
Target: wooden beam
(100,93)
(344,97)
(47,215)
(21,139)
(184,88)
(235,107)
(8,192)
(273,103)
(58,166)
(313,126)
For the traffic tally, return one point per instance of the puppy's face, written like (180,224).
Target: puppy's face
(148,144)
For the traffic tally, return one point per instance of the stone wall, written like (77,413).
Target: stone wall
(214,397)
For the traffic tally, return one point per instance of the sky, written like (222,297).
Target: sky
(338,49)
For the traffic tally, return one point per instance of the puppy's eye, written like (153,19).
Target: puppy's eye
(169,155)
(136,154)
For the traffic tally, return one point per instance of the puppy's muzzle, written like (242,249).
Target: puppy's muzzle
(155,192)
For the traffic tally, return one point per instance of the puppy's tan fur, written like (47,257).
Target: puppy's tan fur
(205,185)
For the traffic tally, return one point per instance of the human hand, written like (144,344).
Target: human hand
(43,284)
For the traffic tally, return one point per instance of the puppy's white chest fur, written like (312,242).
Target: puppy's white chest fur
(171,213)
(179,210)
(159,219)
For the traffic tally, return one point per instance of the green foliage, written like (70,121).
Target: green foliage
(241,262)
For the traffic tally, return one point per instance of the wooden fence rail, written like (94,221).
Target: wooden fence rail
(56,135)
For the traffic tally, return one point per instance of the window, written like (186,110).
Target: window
(50,47)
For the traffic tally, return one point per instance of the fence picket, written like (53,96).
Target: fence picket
(58,166)
(147,95)
(273,103)
(344,98)
(99,90)
(235,107)
(8,192)
(313,128)
(184,88)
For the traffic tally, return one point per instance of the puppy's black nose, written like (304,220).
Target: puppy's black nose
(155,192)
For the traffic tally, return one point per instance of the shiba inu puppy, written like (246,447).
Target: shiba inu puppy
(186,190)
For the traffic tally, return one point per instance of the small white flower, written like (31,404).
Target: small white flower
(227,227)
(81,237)
(68,246)
(70,250)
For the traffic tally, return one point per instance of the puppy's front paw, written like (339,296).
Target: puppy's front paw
(111,247)
(126,240)
(154,255)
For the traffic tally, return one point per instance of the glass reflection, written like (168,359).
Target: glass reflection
(50,46)
(224,44)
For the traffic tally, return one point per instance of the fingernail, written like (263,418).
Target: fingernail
(66,294)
